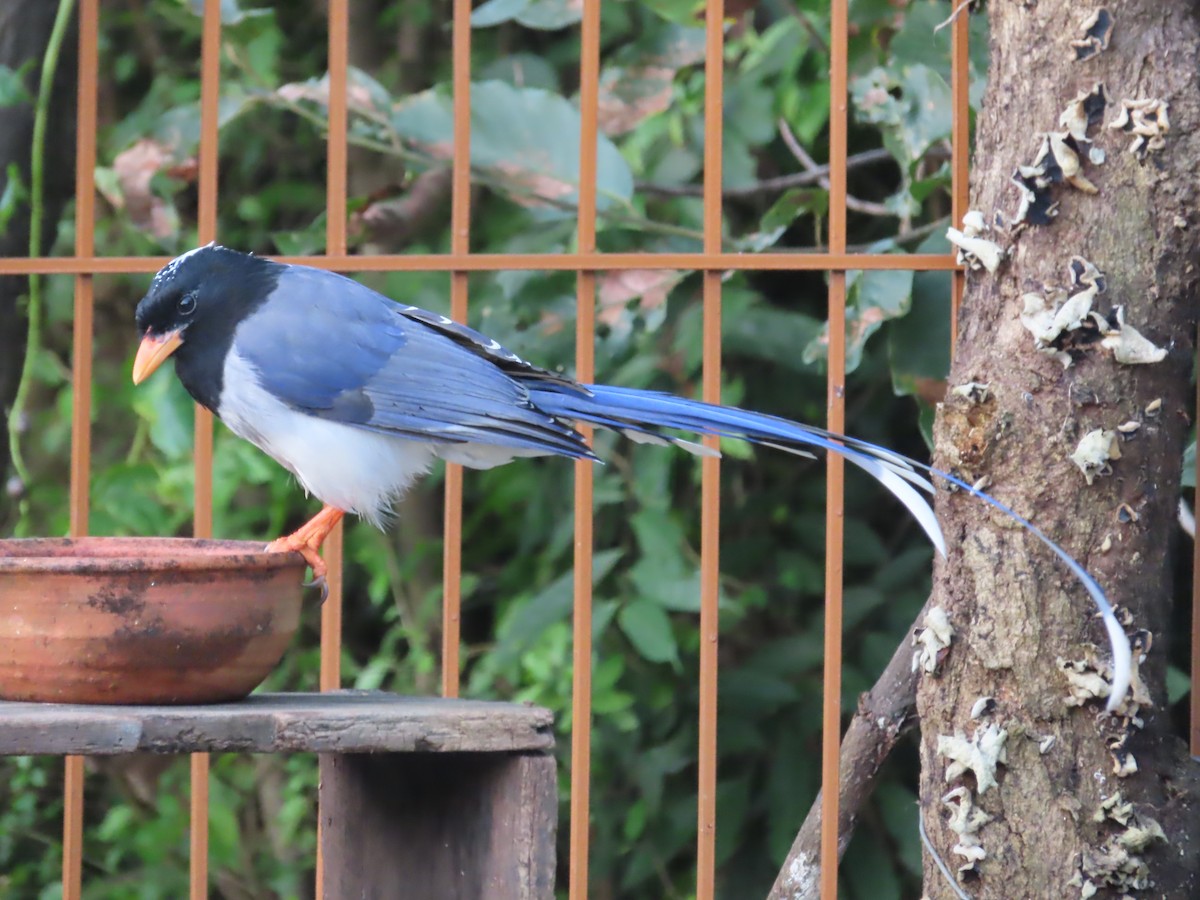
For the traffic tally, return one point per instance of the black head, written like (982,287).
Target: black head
(194,304)
(204,284)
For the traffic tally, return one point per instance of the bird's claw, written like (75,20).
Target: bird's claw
(291,544)
(318,581)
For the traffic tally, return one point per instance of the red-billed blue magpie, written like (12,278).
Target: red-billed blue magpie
(357,396)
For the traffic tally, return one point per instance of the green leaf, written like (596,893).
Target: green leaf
(919,343)
(552,604)
(676,592)
(920,40)
(13,196)
(648,628)
(659,538)
(788,657)
(898,809)
(733,800)
(771,335)
(859,603)
(551,15)
(872,298)
(783,212)
(910,103)
(1178,685)
(13,90)
(302,241)
(526,140)
(682,12)
(496,12)
(867,874)
(543,15)
(1189,465)
(522,70)
(755,693)
(163,403)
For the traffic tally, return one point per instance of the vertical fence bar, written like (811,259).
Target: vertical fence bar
(585,371)
(960,147)
(335,245)
(710,467)
(81,387)
(85,248)
(831,720)
(202,526)
(210,97)
(460,245)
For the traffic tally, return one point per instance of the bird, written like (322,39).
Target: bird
(357,396)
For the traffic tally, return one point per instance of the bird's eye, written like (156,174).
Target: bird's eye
(187,304)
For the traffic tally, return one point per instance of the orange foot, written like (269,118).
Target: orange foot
(307,540)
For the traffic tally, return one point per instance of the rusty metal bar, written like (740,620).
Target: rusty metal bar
(202,526)
(585,371)
(85,247)
(335,246)
(210,98)
(831,719)
(198,835)
(710,467)
(960,148)
(72,867)
(460,245)
(335,250)
(81,386)
(513,262)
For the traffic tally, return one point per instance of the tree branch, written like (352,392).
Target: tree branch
(869,207)
(884,714)
(768,185)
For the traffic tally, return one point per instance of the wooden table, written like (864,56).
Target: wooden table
(419,797)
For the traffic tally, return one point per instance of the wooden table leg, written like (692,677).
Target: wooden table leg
(438,826)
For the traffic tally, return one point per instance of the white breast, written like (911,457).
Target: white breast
(359,471)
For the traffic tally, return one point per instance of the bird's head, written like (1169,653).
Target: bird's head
(194,298)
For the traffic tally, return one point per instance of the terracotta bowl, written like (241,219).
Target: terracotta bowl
(142,620)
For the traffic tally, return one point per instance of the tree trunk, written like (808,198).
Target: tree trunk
(1019,618)
(24,32)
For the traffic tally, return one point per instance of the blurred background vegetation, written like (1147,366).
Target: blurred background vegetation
(517,528)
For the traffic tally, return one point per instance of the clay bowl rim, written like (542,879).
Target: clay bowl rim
(95,554)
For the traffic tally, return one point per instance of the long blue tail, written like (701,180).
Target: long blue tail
(642,414)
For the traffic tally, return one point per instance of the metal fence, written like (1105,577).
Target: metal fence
(712,261)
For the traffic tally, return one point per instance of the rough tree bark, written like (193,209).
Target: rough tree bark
(1014,610)
(24,31)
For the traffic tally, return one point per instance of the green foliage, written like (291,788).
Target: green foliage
(518,538)
(13,85)
(509,129)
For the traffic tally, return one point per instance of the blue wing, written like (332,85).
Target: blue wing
(368,362)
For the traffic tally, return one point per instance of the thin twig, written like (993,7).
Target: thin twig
(767,185)
(810,165)
(906,237)
(37,178)
(942,867)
